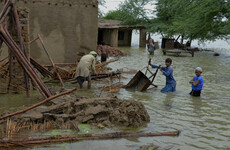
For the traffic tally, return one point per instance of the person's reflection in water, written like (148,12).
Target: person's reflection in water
(169,100)
(197,104)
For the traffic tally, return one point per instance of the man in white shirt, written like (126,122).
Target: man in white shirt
(87,63)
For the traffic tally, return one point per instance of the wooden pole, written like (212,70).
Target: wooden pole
(23,61)
(4,58)
(28,64)
(19,32)
(33,40)
(38,104)
(4,9)
(55,139)
(2,19)
(53,64)
(45,72)
(156,72)
(6,37)
(25,67)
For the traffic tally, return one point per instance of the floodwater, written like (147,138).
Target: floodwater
(204,121)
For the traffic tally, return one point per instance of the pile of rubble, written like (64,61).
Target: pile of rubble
(108,111)
(110,51)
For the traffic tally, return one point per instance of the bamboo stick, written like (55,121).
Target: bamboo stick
(113,86)
(56,139)
(5,64)
(5,15)
(23,60)
(10,72)
(16,17)
(24,67)
(105,63)
(4,10)
(53,64)
(38,104)
(4,58)
(104,75)
(15,47)
(40,68)
(33,40)
(61,64)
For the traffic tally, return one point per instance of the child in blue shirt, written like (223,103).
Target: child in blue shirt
(197,83)
(168,72)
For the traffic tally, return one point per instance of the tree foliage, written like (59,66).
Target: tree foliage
(130,12)
(193,19)
(100,3)
(113,15)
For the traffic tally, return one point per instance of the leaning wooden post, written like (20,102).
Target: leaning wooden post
(4,58)
(28,64)
(33,40)
(53,64)
(23,64)
(4,9)
(38,104)
(23,61)
(19,32)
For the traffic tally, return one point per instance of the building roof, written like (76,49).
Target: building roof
(115,24)
(64,2)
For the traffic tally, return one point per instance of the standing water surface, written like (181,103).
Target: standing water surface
(204,121)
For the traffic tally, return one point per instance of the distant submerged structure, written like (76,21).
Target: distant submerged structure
(113,33)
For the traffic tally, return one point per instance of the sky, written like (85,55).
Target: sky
(110,5)
(113,5)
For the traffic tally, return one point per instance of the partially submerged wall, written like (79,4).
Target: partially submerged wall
(68,28)
(127,37)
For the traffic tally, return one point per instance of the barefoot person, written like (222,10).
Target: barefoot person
(86,63)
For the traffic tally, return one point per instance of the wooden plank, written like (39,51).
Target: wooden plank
(178,51)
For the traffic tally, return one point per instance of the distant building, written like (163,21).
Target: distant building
(113,33)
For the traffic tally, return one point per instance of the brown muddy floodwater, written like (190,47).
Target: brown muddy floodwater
(204,121)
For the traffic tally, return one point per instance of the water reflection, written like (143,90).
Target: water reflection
(197,104)
(168,101)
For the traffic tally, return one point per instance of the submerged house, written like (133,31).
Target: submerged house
(113,33)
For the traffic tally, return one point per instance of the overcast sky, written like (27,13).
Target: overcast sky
(113,5)
(110,5)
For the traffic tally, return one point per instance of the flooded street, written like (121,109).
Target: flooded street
(204,121)
(37,34)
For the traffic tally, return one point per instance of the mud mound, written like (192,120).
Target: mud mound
(110,51)
(108,111)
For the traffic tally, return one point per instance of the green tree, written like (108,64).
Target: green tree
(191,19)
(226,19)
(100,3)
(194,19)
(113,15)
(130,12)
